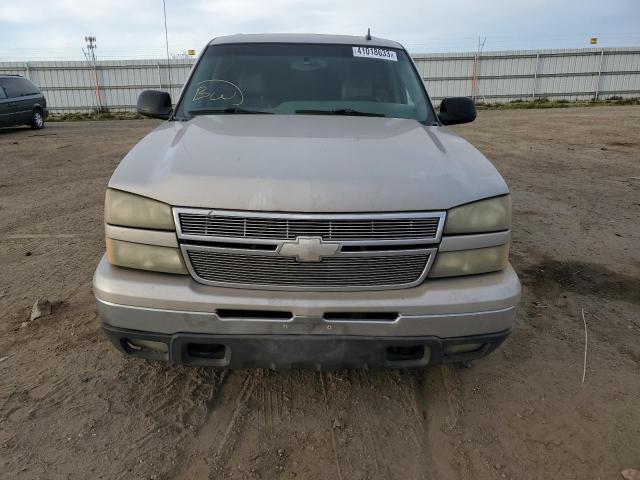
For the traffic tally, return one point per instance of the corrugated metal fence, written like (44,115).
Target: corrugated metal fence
(577,74)
(70,87)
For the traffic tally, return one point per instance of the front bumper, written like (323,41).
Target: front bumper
(279,352)
(432,314)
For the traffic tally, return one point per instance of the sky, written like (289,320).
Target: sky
(55,29)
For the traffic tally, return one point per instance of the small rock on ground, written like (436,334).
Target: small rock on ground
(631,474)
(41,308)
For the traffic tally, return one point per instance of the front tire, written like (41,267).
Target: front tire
(37,120)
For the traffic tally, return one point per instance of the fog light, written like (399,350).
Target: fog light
(460,348)
(139,345)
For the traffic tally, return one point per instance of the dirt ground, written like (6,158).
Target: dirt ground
(72,407)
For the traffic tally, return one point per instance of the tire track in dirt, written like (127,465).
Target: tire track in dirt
(270,399)
(376,451)
(437,408)
(169,400)
(207,452)
(333,436)
(373,425)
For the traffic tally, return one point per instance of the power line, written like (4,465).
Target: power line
(425,44)
(166,39)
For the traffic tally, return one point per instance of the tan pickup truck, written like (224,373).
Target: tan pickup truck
(303,205)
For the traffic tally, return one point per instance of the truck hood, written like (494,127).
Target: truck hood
(307,163)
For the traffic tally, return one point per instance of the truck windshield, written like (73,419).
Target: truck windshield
(303,79)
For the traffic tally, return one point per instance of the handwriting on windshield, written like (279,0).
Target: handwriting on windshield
(218,90)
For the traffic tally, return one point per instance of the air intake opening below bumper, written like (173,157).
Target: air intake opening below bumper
(361,316)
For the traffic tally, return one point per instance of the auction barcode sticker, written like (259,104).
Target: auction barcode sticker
(374,52)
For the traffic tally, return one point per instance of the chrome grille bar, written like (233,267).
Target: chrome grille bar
(258,227)
(345,271)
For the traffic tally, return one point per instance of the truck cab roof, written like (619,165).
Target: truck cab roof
(305,38)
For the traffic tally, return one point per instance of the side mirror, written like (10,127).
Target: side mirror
(457,110)
(154,104)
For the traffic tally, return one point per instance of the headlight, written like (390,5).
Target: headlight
(490,215)
(145,257)
(469,262)
(129,210)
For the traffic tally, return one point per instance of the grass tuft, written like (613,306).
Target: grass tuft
(562,103)
(93,116)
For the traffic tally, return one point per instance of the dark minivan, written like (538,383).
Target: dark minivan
(21,103)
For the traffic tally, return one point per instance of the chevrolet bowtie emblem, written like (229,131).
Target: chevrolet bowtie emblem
(308,249)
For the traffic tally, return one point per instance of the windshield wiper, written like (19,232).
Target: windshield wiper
(341,111)
(227,110)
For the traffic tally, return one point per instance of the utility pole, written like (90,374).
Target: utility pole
(475,71)
(90,55)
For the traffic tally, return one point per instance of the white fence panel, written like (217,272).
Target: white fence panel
(499,77)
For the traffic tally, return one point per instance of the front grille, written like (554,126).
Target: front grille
(349,228)
(267,250)
(348,271)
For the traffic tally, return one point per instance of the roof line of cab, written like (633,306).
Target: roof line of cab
(305,38)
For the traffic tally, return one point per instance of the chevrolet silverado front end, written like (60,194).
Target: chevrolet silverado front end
(305,206)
